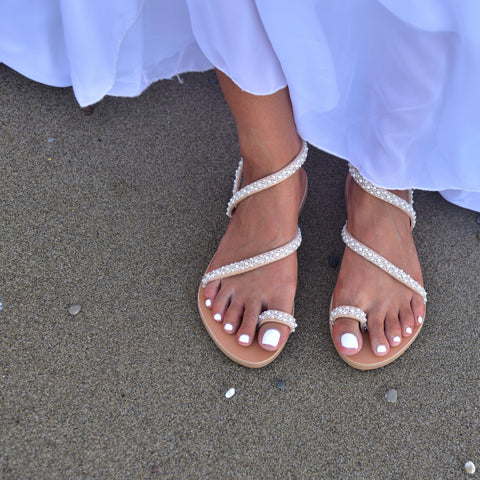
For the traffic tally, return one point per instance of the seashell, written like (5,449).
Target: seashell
(470,467)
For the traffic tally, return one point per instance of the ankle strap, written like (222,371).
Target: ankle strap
(266,182)
(385,195)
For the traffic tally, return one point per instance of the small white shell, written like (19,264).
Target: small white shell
(470,467)
(74,309)
(391,395)
(230,393)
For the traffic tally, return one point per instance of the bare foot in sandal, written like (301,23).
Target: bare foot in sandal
(231,306)
(394,311)
(260,223)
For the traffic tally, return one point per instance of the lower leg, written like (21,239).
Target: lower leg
(266,129)
(268,141)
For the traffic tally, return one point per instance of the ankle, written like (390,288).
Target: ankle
(368,215)
(261,159)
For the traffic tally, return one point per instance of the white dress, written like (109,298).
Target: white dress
(390,85)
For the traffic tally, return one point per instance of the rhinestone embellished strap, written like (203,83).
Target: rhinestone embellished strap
(345,311)
(243,266)
(238,178)
(266,182)
(277,316)
(385,195)
(383,263)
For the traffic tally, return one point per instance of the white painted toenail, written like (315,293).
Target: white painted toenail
(396,339)
(381,349)
(217,317)
(408,330)
(349,340)
(271,337)
(244,338)
(228,327)
(420,320)
(208,302)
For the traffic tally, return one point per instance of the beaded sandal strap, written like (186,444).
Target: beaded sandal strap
(385,195)
(345,311)
(277,316)
(248,264)
(373,257)
(266,182)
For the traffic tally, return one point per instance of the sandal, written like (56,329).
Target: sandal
(365,359)
(252,355)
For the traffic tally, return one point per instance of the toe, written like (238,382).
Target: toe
(376,331)
(407,321)
(246,331)
(418,309)
(221,303)
(271,335)
(211,291)
(233,317)
(347,336)
(393,330)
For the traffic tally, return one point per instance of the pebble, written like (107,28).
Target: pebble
(230,393)
(50,140)
(333,261)
(1,305)
(470,467)
(213,81)
(281,384)
(74,309)
(478,219)
(391,395)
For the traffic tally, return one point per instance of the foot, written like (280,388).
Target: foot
(260,223)
(392,309)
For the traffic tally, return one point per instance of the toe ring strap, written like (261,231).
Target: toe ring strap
(278,317)
(345,311)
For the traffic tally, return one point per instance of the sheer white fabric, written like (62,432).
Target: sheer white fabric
(390,85)
(107,47)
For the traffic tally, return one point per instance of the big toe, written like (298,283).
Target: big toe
(346,336)
(272,336)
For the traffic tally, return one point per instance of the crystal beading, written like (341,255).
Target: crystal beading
(266,182)
(243,266)
(381,262)
(277,316)
(238,177)
(385,195)
(345,311)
